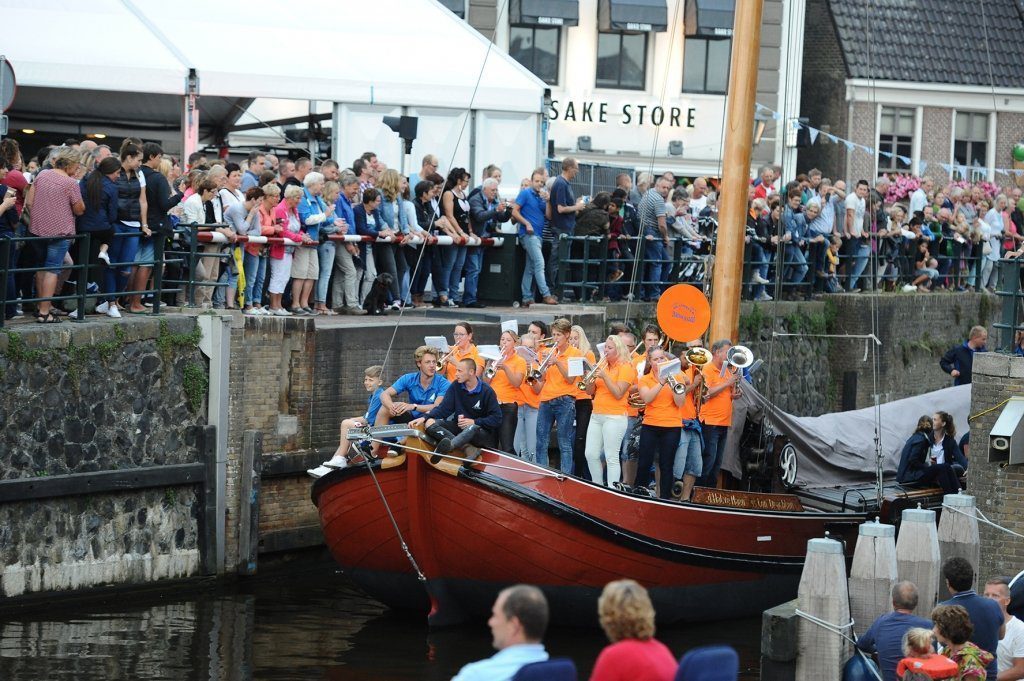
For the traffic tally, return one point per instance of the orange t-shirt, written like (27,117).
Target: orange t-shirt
(663,410)
(604,400)
(449,370)
(717,410)
(505,391)
(689,408)
(529,397)
(556,385)
(583,394)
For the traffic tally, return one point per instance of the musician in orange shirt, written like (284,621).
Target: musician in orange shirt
(608,422)
(716,410)
(584,405)
(627,454)
(526,429)
(659,436)
(509,371)
(557,391)
(688,461)
(464,347)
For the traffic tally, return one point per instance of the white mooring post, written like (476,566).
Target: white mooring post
(872,574)
(917,557)
(958,532)
(821,651)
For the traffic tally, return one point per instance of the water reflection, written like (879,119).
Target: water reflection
(299,623)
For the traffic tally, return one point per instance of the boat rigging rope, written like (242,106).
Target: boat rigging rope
(650,170)
(989,410)
(982,519)
(838,629)
(394,523)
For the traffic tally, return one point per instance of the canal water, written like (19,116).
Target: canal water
(303,621)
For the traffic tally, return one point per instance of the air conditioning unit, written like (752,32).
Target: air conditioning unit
(675,148)
(1006,439)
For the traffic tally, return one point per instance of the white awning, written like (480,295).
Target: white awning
(392,52)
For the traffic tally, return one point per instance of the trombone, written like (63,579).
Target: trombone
(591,376)
(548,342)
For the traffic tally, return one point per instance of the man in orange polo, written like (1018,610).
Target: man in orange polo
(716,411)
(558,399)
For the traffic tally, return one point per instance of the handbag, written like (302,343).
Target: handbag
(986,248)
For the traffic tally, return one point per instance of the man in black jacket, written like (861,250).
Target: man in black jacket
(469,413)
(957,361)
(159,199)
(486,212)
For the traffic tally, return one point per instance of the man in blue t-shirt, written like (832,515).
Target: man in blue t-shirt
(885,636)
(425,389)
(986,615)
(528,212)
(563,201)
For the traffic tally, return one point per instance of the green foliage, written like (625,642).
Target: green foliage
(171,496)
(73,358)
(925,344)
(168,341)
(196,383)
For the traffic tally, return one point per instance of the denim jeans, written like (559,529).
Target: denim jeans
(604,439)
(455,276)
(444,261)
(255,267)
(325,255)
(230,280)
(122,250)
(759,261)
(630,424)
(474,263)
(714,449)
(534,272)
(526,433)
(796,264)
(688,455)
(655,273)
(658,443)
(861,252)
(560,410)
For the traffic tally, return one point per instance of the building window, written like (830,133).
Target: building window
(970,145)
(706,65)
(896,137)
(536,49)
(622,60)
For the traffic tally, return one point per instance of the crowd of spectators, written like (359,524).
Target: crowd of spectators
(808,236)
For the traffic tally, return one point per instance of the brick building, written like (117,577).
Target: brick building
(936,82)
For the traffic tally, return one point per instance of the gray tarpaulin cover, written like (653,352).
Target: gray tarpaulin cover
(836,449)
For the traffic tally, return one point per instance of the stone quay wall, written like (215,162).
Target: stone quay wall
(998,488)
(97,406)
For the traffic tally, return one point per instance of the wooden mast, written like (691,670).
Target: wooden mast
(732,206)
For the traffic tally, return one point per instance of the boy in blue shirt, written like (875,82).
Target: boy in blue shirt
(372,383)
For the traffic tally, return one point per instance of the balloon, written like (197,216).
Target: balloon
(1018,152)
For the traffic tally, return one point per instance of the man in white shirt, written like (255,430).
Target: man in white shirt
(853,233)
(698,196)
(1010,654)
(518,621)
(919,199)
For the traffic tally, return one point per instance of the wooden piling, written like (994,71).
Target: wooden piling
(822,594)
(958,531)
(917,557)
(873,574)
(249,501)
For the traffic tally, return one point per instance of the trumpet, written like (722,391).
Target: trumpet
(447,358)
(677,387)
(536,374)
(492,369)
(634,400)
(591,376)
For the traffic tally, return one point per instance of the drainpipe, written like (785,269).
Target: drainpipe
(216,345)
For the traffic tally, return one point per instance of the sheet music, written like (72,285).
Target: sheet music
(510,325)
(439,342)
(600,350)
(490,352)
(575,366)
(669,369)
(528,354)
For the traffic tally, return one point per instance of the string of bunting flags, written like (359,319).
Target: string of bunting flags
(922,165)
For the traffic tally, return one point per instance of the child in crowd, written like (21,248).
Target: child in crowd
(832,263)
(922,663)
(372,382)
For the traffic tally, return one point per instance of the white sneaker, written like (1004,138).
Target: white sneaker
(758,279)
(252,312)
(73,314)
(764,296)
(113,312)
(262,311)
(281,312)
(104,257)
(337,462)
(102,308)
(319,471)
(909,288)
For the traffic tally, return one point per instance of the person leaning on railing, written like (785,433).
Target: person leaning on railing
(56,201)
(528,211)
(288,226)
(254,257)
(99,193)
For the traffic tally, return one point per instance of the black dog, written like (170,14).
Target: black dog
(377,299)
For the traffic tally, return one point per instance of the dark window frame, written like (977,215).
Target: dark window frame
(706,39)
(643,68)
(558,48)
(894,142)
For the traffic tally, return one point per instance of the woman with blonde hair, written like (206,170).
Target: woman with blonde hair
(390,186)
(627,617)
(610,390)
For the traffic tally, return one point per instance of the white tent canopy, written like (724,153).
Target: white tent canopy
(305,49)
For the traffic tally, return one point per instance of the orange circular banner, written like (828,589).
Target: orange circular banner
(684,313)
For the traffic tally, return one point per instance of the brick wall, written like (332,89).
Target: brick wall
(1009,131)
(998,489)
(915,330)
(859,164)
(823,92)
(937,131)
